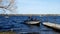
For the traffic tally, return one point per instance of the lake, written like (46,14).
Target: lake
(16,24)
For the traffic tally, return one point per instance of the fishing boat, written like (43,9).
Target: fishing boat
(33,22)
(53,25)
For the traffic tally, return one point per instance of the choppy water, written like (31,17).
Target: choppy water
(16,23)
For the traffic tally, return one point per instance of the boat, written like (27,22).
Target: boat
(33,22)
(53,25)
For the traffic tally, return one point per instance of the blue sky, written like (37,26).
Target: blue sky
(38,6)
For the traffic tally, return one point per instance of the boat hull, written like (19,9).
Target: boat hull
(33,23)
(53,25)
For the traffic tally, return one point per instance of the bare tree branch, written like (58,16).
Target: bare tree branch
(0,1)
(4,10)
(11,3)
(10,6)
(2,7)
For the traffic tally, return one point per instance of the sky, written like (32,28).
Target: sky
(38,6)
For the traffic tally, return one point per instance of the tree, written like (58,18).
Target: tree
(7,5)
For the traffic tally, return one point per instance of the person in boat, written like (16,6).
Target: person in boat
(32,19)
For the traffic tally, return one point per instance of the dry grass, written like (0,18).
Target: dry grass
(9,32)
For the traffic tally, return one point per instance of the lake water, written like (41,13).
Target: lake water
(16,23)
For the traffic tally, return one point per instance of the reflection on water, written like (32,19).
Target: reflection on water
(16,23)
